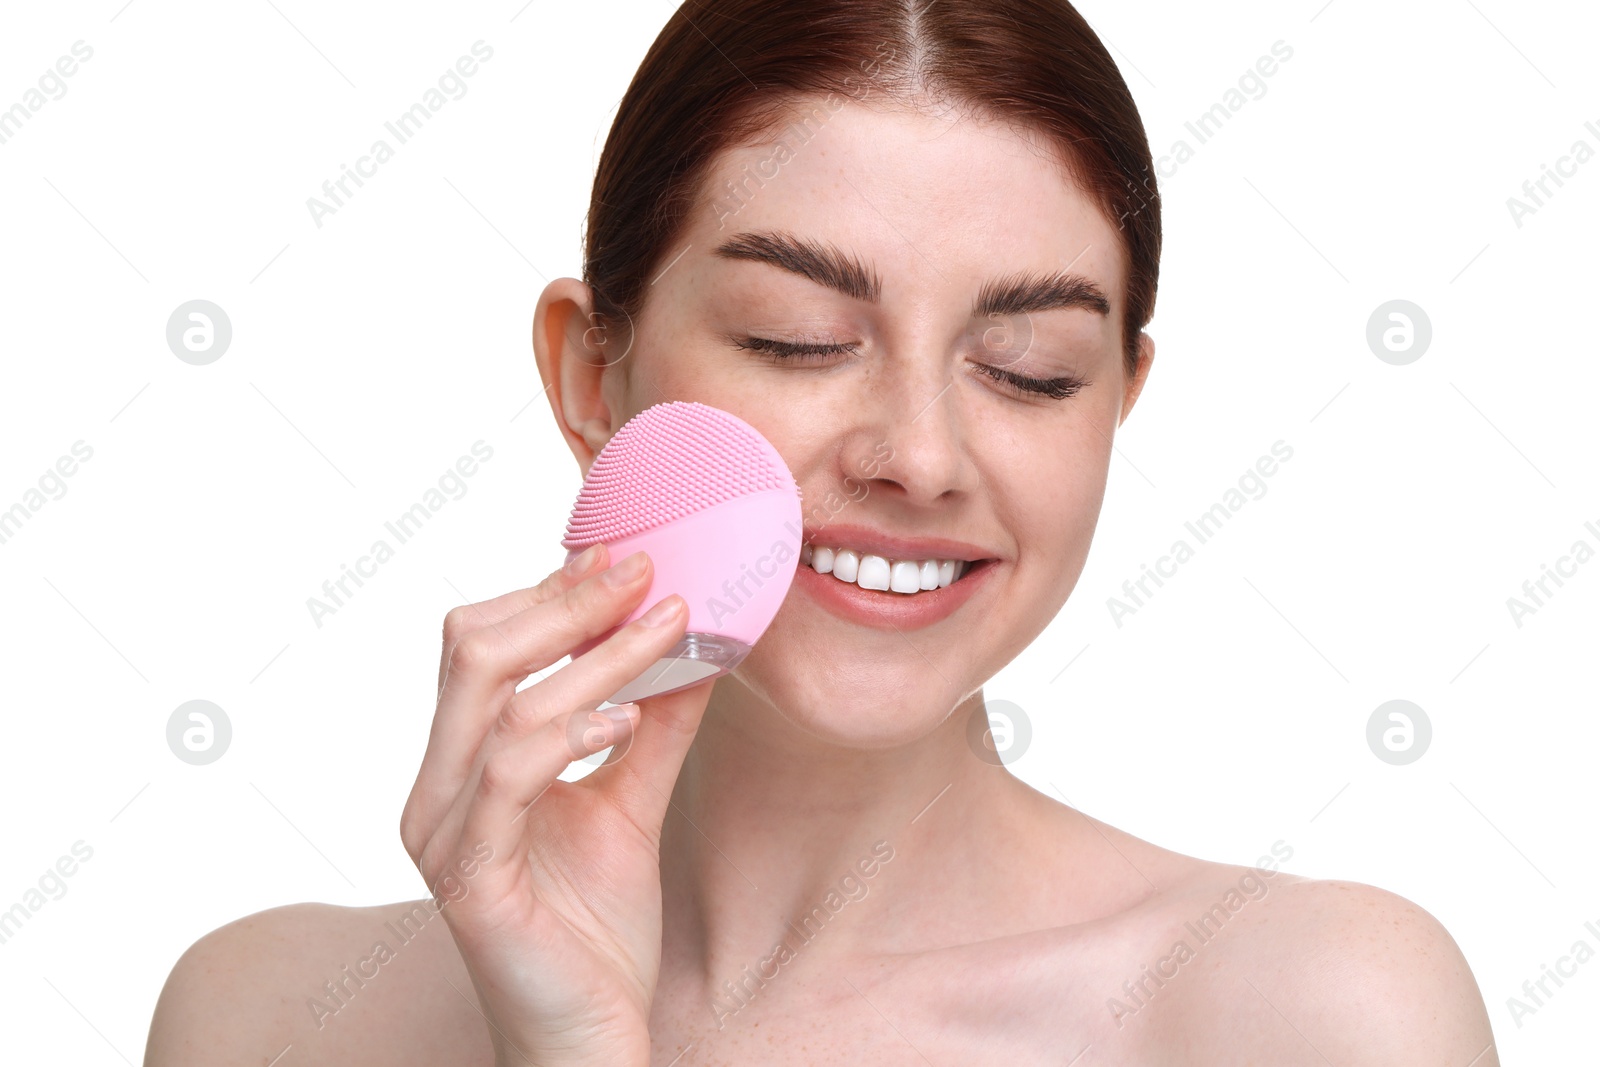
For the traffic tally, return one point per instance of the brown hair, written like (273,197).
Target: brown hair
(723,72)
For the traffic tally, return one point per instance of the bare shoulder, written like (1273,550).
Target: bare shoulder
(1308,969)
(322,984)
(1212,962)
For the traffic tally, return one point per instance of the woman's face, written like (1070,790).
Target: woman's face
(905,432)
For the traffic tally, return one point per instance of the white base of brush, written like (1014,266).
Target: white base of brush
(695,658)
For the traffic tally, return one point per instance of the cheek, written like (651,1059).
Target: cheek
(690,367)
(1065,457)
(1085,483)
(803,440)
(1066,509)
(1055,510)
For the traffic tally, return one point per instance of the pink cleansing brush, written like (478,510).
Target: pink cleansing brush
(715,507)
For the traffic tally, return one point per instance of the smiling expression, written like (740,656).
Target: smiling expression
(921,313)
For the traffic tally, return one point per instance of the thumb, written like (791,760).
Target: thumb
(640,782)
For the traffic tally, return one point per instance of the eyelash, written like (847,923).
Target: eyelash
(1054,388)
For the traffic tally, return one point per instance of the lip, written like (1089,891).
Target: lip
(890,546)
(892,611)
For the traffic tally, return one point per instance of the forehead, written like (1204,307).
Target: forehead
(927,197)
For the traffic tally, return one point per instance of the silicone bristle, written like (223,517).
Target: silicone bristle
(669,461)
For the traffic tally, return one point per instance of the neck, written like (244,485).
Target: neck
(781,847)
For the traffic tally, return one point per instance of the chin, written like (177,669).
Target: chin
(853,702)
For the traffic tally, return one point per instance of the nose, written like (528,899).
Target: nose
(916,436)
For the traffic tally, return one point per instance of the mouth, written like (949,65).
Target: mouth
(887,579)
(875,589)
(904,577)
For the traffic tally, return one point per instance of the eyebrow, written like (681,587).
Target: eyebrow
(827,266)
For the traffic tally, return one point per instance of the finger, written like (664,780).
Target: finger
(641,783)
(485,661)
(462,620)
(577,688)
(600,671)
(484,668)
(487,665)
(514,778)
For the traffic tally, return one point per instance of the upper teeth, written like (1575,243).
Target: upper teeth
(877,572)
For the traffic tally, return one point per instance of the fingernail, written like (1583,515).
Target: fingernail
(619,714)
(664,611)
(582,561)
(626,571)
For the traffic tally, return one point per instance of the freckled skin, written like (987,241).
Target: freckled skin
(1006,924)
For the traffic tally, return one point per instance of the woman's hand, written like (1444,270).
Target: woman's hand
(552,889)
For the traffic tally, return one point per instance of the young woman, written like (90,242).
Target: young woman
(915,244)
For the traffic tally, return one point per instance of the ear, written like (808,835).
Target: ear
(1135,386)
(579,364)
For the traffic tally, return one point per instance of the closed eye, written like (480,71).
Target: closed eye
(1054,388)
(790,349)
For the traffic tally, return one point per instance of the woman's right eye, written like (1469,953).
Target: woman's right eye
(791,350)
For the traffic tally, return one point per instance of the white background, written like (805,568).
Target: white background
(369,354)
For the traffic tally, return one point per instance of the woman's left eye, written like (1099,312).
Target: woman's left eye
(1053,388)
